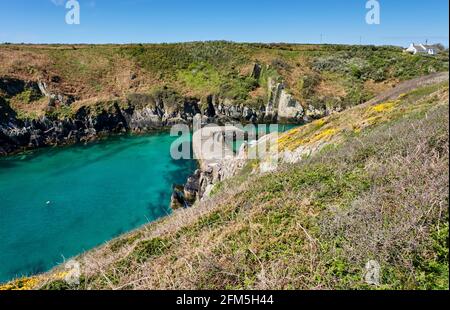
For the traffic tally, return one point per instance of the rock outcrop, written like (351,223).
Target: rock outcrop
(217,163)
(289,108)
(224,110)
(11,87)
(55,99)
(282,106)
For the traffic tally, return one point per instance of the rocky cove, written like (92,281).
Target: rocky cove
(144,183)
(83,195)
(116,201)
(137,114)
(134,113)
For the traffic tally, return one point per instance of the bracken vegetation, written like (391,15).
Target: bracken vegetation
(375,189)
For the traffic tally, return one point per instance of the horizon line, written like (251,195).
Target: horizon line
(210,41)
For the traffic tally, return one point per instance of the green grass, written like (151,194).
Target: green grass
(147,249)
(200,77)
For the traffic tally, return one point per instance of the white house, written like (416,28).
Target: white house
(422,49)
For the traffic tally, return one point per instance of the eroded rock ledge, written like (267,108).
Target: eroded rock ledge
(217,163)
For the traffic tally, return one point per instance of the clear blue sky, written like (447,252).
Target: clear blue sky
(301,21)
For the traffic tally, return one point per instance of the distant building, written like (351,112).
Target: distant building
(422,49)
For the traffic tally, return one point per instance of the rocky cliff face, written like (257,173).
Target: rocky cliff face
(224,109)
(200,184)
(283,105)
(137,113)
(17,134)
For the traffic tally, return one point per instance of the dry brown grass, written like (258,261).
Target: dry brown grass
(378,88)
(22,64)
(393,221)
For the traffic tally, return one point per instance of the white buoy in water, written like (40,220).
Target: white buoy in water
(48,202)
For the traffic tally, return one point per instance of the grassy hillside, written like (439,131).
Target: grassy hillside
(315,74)
(375,189)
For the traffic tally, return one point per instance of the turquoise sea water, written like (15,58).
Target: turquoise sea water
(58,203)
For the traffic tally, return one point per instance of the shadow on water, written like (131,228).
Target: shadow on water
(76,166)
(161,208)
(163,201)
(8,164)
(121,231)
(77,148)
(106,147)
(33,268)
(186,166)
(156,211)
(136,222)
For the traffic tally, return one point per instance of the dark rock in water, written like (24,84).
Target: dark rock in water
(191,189)
(177,200)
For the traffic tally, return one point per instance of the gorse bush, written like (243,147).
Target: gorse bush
(171,57)
(380,64)
(308,84)
(236,87)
